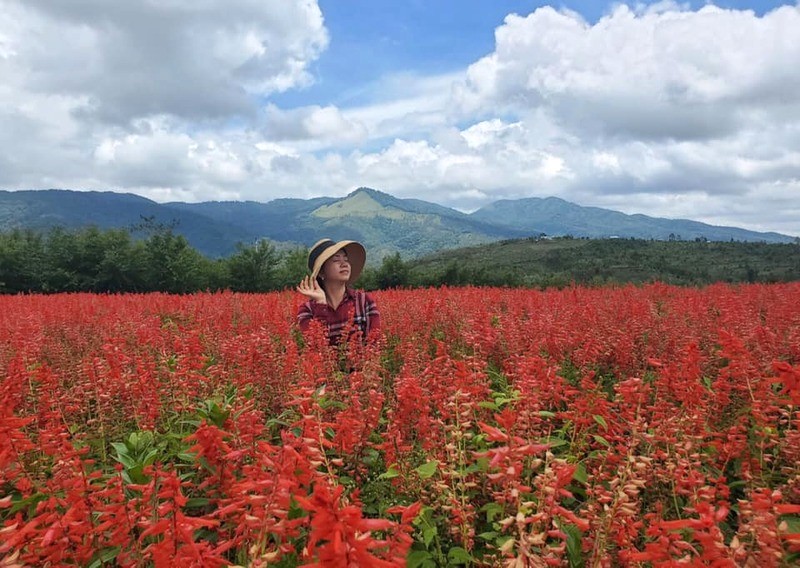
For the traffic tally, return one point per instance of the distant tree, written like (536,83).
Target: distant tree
(21,261)
(453,275)
(367,279)
(60,259)
(393,273)
(253,268)
(171,265)
(215,275)
(291,269)
(120,267)
(148,226)
(90,260)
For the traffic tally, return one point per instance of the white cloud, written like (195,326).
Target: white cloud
(322,126)
(654,108)
(660,75)
(195,60)
(606,161)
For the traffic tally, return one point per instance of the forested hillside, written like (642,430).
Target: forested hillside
(556,262)
(95,260)
(385,224)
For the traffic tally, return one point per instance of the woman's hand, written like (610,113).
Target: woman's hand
(309,287)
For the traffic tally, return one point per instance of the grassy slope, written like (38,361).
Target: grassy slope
(620,260)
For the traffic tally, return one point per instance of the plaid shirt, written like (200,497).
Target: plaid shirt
(357,310)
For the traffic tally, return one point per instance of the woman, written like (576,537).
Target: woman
(331,301)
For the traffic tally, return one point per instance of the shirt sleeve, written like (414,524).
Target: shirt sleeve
(373,316)
(304,315)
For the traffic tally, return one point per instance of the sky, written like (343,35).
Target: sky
(671,109)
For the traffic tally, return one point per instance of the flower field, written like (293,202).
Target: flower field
(627,426)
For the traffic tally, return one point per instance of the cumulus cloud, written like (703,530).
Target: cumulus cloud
(657,75)
(654,108)
(325,125)
(195,60)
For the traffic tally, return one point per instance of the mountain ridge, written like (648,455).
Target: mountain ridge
(384,223)
(565,216)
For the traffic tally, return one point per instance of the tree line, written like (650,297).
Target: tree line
(160,260)
(154,258)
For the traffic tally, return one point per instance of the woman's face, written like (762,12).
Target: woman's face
(337,268)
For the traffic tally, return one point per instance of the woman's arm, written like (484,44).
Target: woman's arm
(304,315)
(373,317)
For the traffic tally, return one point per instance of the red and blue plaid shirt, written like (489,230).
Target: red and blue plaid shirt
(358,312)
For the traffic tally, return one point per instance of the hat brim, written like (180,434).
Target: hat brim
(356,254)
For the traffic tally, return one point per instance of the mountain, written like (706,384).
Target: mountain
(42,209)
(280,220)
(384,223)
(410,226)
(556,217)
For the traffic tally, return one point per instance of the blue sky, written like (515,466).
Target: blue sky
(672,109)
(374,38)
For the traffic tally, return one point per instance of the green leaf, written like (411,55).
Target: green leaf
(547,414)
(600,420)
(150,457)
(419,559)
(492,510)
(425,517)
(574,552)
(136,474)
(326,403)
(121,448)
(140,440)
(123,457)
(793,522)
(217,415)
(580,474)
(103,556)
(489,405)
(482,464)
(391,473)
(428,534)
(296,511)
(196,502)
(601,440)
(427,470)
(488,536)
(502,539)
(28,502)
(554,441)
(458,555)
(370,457)
(276,422)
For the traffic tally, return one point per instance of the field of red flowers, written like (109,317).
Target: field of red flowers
(628,426)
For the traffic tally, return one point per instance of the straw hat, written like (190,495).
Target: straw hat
(326,248)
